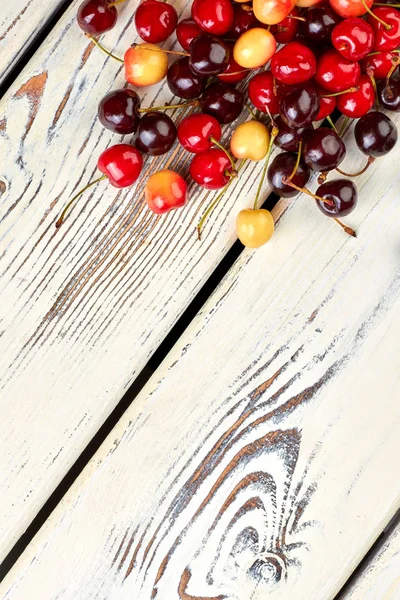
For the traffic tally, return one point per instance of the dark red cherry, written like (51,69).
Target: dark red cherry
(385,39)
(223,102)
(213,16)
(118,111)
(378,65)
(356,104)
(323,150)
(211,169)
(353,38)
(285,31)
(186,31)
(320,22)
(375,134)
(341,196)
(96,17)
(299,107)
(243,20)
(208,55)
(183,82)
(233,72)
(335,73)
(294,63)
(155,21)
(389,94)
(197,132)
(262,94)
(281,169)
(288,139)
(156,134)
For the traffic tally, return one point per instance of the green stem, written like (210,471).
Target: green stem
(348,91)
(104,50)
(168,106)
(251,111)
(343,126)
(369,11)
(61,218)
(331,123)
(274,133)
(228,154)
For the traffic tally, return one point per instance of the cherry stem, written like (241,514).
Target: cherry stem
(370,161)
(61,218)
(395,64)
(348,91)
(305,191)
(331,123)
(383,4)
(380,52)
(347,229)
(297,18)
(115,3)
(274,133)
(370,72)
(193,103)
(343,126)
(103,49)
(251,111)
(296,166)
(228,154)
(369,11)
(162,50)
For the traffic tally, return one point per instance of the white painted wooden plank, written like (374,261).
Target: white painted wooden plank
(20,23)
(380,578)
(261,460)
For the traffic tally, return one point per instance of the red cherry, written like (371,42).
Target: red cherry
(350,8)
(165,191)
(357,104)
(285,31)
(211,169)
(195,133)
(121,164)
(378,65)
(262,93)
(353,38)
(385,39)
(155,21)
(326,105)
(233,72)
(335,73)
(96,17)
(294,63)
(213,16)
(243,20)
(186,31)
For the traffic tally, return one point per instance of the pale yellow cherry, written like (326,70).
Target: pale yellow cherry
(251,141)
(307,3)
(254,227)
(272,12)
(254,48)
(145,64)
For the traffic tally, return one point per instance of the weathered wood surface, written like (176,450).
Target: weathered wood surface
(251,464)
(20,23)
(380,578)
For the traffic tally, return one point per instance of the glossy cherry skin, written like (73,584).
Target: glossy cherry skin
(213,16)
(350,8)
(211,169)
(299,107)
(254,48)
(353,38)
(356,104)
(145,64)
(335,73)
(118,111)
(195,133)
(155,21)
(186,31)
(323,150)
(320,22)
(281,169)
(384,39)
(96,17)
(254,227)
(326,105)
(183,82)
(233,73)
(223,102)
(389,95)
(342,198)
(294,63)
(375,134)
(271,12)
(285,31)
(243,20)
(165,191)
(121,164)
(288,139)
(262,94)
(208,55)
(156,134)
(378,65)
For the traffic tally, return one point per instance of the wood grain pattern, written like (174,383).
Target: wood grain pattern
(245,468)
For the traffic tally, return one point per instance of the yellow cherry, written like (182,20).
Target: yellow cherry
(272,12)
(254,227)
(307,3)
(145,64)
(254,48)
(250,140)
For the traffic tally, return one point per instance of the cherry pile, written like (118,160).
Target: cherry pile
(289,64)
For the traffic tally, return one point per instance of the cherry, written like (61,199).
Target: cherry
(378,65)
(281,169)
(262,92)
(208,55)
(336,73)
(358,103)
(271,12)
(186,31)
(197,133)
(340,195)
(353,38)
(323,150)
(145,64)
(350,8)
(389,95)
(308,3)
(165,191)
(386,38)
(222,102)
(375,134)
(294,63)
(250,141)
(233,72)
(156,134)
(213,16)
(183,82)
(155,21)
(96,16)
(118,111)
(288,139)
(327,104)
(255,227)
(254,48)
(299,107)
(243,20)
(285,31)
(212,169)
(320,22)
